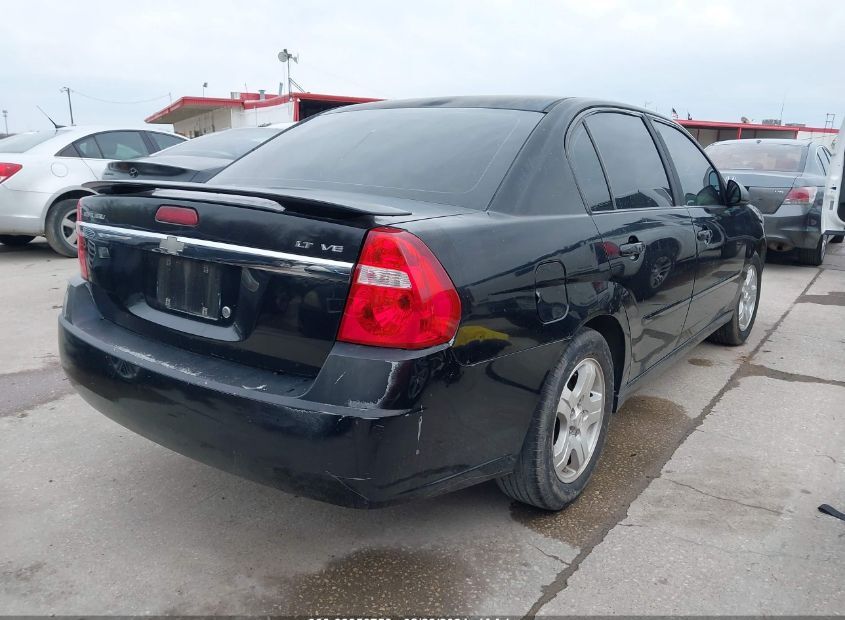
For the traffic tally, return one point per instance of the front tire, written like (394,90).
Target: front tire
(569,427)
(60,227)
(736,331)
(15,240)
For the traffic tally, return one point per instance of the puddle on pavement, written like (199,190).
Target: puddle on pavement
(700,361)
(643,435)
(386,581)
(834,298)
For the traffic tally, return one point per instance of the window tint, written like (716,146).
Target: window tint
(636,174)
(87,147)
(163,140)
(121,144)
(68,151)
(456,156)
(699,181)
(588,172)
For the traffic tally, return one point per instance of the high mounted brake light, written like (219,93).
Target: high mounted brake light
(401,297)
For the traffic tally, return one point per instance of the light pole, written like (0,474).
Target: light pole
(6,120)
(285,57)
(65,89)
(204,86)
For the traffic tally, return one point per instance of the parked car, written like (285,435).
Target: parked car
(833,207)
(194,160)
(432,293)
(42,173)
(785,181)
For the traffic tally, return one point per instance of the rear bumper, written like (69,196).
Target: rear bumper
(364,433)
(791,226)
(21,212)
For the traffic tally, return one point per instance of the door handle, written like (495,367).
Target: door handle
(705,235)
(632,250)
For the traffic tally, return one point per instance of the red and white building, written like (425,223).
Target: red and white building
(196,116)
(708,132)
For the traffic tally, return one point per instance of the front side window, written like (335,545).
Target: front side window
(634,169)
(121,144)
(699,181)
(587,168)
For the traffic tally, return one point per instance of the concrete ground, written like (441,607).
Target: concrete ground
(704,502)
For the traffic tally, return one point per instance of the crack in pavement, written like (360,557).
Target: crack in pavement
(724,499)
(549,591)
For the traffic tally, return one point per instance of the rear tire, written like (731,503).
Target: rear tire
(15,240)
(837,239)
(569,427)
(814,256)
(736,331)
(60,227)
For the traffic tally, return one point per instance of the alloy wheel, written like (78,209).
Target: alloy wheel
(747,297)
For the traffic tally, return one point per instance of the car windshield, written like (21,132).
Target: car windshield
(456,156)
(22,142)
(229,144)
(753,155)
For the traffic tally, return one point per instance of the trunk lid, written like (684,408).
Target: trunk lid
(261,279)
(766,190)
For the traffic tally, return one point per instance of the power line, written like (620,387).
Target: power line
(151,99)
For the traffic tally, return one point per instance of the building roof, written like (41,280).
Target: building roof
(730,125)
(188,107)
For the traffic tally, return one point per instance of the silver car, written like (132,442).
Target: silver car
(42,172)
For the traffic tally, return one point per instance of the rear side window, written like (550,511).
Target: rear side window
(121,144)
(699,181)
(162,141)
(87,147)
(587,168)
(634,169)
(455,156)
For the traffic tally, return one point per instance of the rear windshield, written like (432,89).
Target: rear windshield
(758,156)
(229,144)
(22,142)
(455,156)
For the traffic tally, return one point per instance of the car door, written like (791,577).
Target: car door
(833,208)
(649,241)
(721,244)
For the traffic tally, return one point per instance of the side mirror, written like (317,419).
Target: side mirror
(737,195)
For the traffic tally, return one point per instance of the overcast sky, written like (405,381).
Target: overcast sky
(719,60)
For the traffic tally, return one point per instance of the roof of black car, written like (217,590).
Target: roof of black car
(503,102)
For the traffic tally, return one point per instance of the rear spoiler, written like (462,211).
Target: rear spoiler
(269,199)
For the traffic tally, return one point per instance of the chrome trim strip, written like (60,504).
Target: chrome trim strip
(243,256)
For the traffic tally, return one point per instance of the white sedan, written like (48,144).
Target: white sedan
(42,172)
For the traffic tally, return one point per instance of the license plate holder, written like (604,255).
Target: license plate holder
(189,286)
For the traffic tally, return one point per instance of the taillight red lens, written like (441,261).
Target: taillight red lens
(801,196)
(7,170)
(81,249)
(184,216)
(401,297)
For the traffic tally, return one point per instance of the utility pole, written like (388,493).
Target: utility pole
(65,89)
(6,120)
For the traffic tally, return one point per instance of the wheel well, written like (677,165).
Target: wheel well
(612,333)
(75,193)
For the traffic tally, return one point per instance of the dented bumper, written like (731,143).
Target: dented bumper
(357,435)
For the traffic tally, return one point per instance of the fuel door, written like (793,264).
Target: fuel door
(550,291)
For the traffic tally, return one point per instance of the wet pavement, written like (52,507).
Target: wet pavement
(704,500)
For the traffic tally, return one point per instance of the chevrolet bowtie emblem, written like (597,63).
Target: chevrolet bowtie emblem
(171,245)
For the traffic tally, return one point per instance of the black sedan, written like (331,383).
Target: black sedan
(194,160)
(430,294)
(785,181)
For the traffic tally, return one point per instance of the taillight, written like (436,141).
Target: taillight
(183,216)
(401,297)
(7,170)
(81,250)
(801,196)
